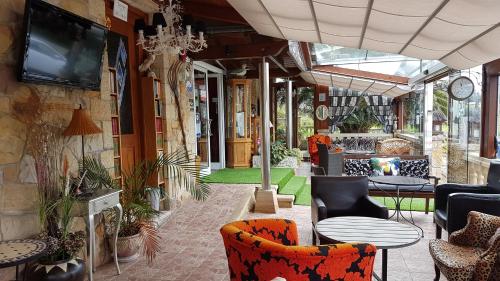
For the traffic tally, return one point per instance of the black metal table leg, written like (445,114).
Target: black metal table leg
(384,267)
(17,272)
(384,264)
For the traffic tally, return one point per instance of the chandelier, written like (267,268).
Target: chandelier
(167,34)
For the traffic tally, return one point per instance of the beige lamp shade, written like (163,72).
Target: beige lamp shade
(81,124)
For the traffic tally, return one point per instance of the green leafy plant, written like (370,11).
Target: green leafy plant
(360,121)
(138,213)
(55,203)
(62,244)
(279,151)
(295,152)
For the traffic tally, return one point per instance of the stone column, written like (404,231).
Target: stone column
(265,198)
(289,116)
(266,140)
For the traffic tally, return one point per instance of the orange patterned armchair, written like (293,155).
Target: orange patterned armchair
(313,148)
(264,249)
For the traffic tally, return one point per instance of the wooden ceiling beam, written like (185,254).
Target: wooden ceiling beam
(361,74)
(307,54)
(245,51)
(212,12)
(274,73)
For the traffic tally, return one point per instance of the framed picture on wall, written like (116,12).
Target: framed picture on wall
(322,97)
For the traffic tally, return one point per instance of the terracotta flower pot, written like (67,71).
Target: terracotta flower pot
(128,248)
(66,270)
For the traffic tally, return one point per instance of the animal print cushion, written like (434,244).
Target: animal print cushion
(493,238)
(479,229)
(357,167)
(266,248)
(454,261)
(415,168)
(469,255)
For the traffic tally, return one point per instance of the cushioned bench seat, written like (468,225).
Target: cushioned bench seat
(411,165)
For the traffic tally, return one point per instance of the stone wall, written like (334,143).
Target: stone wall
(173,135)
(54,104)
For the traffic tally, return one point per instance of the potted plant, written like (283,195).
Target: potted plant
(138,229)
(61,261)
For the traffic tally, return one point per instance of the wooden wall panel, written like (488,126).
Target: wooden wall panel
(319,89)
(489,112)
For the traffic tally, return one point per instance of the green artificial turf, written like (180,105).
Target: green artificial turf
(418,204)
(294,186)
(279,176)
(304,197)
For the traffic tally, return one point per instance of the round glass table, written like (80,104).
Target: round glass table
(405,183)
(384,234)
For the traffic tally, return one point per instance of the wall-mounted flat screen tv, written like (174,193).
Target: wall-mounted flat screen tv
(61,47)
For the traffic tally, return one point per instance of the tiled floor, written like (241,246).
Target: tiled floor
(192,247)
(193,250)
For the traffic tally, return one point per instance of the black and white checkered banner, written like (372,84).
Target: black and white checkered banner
(343,102)
(381,106)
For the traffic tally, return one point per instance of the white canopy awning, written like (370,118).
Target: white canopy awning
(460,33)
(366,86)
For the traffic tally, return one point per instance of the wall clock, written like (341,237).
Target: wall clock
(322,112)
(461,88)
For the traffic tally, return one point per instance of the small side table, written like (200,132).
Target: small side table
(401,182)
(384,234)
(100,200)
(17,252)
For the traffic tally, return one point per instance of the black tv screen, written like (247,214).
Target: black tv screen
(61,47)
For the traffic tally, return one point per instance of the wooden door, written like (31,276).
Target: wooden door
(130,111)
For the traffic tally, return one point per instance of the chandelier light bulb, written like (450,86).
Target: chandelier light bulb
(170,37)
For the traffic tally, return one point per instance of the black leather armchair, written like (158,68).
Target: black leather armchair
(323,156)
(342,196)
(454,201)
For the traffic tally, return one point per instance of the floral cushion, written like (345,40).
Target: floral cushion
(357,167)
(415,168)
(385,166)
(263,249)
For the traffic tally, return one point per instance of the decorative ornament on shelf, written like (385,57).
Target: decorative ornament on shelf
(146,65)
(240,72)
(167,33)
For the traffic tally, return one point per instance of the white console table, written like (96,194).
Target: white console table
(100,200)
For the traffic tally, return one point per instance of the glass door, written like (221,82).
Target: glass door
(464,128)
(202,120)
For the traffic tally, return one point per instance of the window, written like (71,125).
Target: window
(413,108)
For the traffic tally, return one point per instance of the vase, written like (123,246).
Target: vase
(127,248)
(65,270)
(154,197)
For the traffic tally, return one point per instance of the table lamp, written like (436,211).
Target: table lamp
(81,125)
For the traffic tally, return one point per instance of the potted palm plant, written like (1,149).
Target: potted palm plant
(138,229)
(61,262)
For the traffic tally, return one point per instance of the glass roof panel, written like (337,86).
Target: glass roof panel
(373,61)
